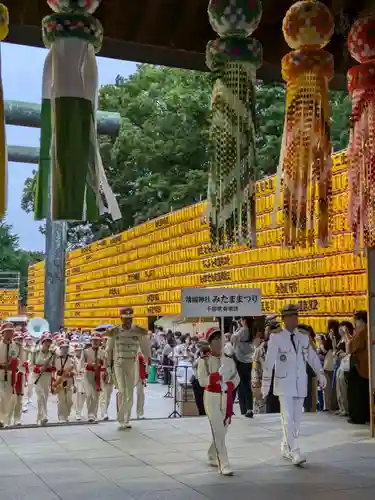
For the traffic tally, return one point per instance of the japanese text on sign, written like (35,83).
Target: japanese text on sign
(207,302)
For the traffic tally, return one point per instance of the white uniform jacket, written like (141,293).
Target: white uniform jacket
(289,363)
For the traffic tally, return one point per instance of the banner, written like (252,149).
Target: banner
(207,302)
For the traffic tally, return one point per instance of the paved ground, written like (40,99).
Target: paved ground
(156,405)
(165,460)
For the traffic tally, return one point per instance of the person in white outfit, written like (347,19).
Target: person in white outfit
(93,362)
(288,352)
(43,364)
(80,395)
(218,375)
(29,390)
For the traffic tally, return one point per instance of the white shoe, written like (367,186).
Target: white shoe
(105,417)
(297,458)
(140,417)
(212,462)
(121,427)
(226,471)
(25,409)
(128,425)
(285,452)
(78,417)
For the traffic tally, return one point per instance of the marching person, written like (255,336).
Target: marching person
(64,383)
(93,363)
(219,377)
(80,395)
(16,405)
(122,349)
(29,386)
(287,353)
(43,363)
(107,389)
(9,352)
(140,384)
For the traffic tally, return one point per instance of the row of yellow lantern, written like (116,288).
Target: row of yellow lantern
(308,305)
(116,296)
(350,283)
(288,290)
(267,261)
(266,237)
(259,265)
(118,245)
(330,265)
(112,266)
(339,162)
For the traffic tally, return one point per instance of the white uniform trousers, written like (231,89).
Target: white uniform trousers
(16,407)
(105,399)
(140,389)
(291,414)
(79,403)
(124,373)
(215,405)
(42,391)
(92,395)
(64,404)
(6,394)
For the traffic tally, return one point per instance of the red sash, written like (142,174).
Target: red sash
(215,387)
(97,370)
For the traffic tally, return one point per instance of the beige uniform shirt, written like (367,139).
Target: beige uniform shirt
(124,344)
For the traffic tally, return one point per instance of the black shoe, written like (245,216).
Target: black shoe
(249,414)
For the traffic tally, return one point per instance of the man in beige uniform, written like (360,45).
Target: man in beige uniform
(121,352)
(64,384)
(93,363)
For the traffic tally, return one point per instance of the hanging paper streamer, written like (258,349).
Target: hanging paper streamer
(4,28)
(361,151)
(70,158)
(233,60)
(305,158)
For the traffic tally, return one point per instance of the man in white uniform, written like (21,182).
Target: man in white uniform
(122,349)
(288,352)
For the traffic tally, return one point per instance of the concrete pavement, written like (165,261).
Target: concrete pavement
(166,460)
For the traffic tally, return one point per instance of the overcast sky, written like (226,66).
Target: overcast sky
(22,69)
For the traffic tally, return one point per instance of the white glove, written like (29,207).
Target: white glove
(322,380)
(224,386)
(225,372)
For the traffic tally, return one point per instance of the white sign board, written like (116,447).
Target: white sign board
(207,302)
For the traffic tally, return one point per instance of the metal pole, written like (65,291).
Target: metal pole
(54,278)
(371,331)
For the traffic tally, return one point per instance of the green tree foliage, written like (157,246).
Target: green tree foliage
(13,259)
(159,161)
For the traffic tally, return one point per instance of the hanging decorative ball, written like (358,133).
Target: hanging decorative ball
(234,18)
(79,6)
(308,24)
(4,22)
(361,40)
(223,50)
